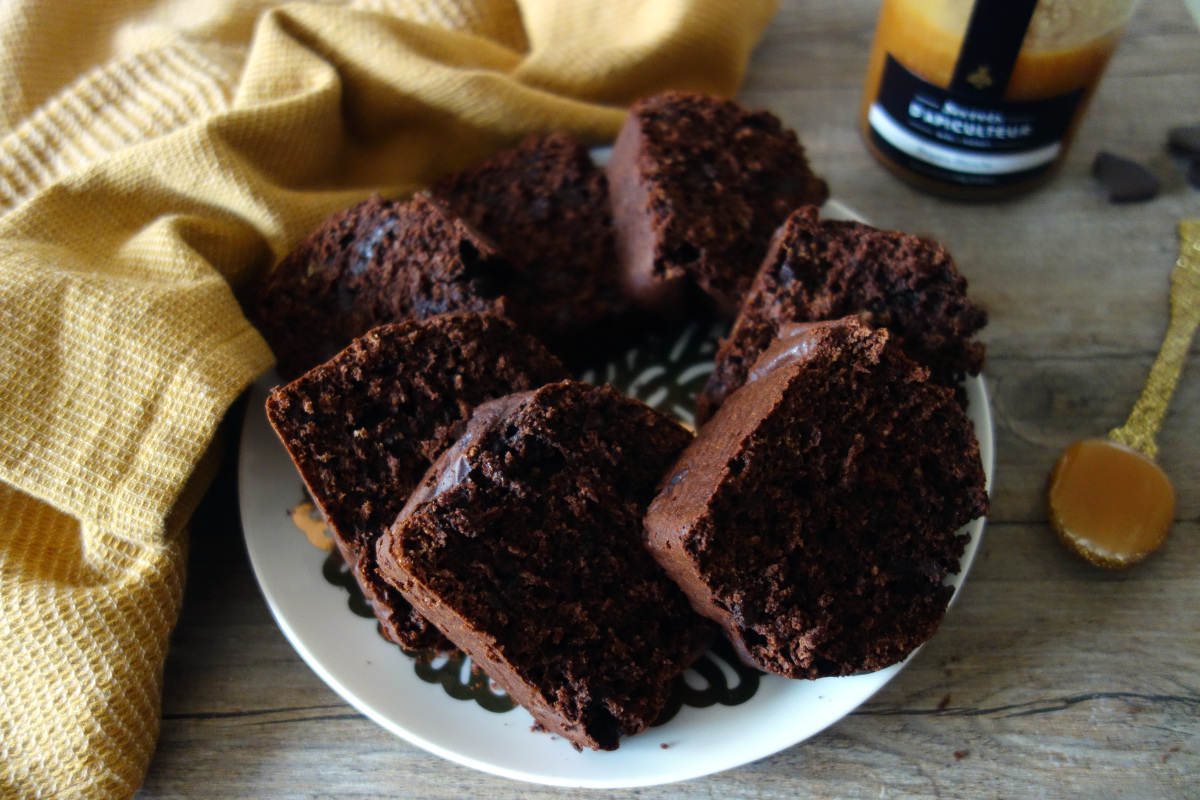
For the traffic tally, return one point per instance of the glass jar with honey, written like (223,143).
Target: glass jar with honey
(979,99)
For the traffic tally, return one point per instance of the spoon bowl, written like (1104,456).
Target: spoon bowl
(1108,500)
(1109,503)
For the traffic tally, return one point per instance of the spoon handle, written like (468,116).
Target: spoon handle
(1146,418)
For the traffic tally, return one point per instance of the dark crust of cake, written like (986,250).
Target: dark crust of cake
(699,184)
(364,427)
(816,516)
(823,270)
(545,204)
(528,554)
(378,262)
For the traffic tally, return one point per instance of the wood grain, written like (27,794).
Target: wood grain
(1049,677)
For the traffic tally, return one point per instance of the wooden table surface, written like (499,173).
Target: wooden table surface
(1049,677)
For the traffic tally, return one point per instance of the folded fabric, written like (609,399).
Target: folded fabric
(157,157)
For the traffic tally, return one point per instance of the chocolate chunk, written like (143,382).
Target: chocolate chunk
(1125,181)
(1184,140)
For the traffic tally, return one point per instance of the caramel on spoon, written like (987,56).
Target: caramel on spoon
(1108,501)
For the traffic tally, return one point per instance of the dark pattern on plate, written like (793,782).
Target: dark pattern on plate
(337,572)
(461,680)
(717,688)
(666,371)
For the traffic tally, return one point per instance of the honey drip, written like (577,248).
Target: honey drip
(1108,501)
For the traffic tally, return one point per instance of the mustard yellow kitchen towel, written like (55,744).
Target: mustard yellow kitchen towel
(156,158)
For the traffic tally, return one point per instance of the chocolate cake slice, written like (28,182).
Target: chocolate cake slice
(545,204)
(524,545)
(698,186)
(364,427)
(816,516)
(378,262)
(823,270)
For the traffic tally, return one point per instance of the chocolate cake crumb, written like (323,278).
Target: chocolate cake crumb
(524,545)
(698,186)
(545,204)
(817,515)
(827,269)
(364,427)
(378,262)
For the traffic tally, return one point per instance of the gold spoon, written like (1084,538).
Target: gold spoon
(1108,501)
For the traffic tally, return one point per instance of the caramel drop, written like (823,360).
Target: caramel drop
(1109,503)
(307,519)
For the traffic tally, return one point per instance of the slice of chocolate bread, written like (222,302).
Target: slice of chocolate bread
(524,545)
(698,186)
(816,515)
(364,427)
(545,204)
(378,262)
(822,270)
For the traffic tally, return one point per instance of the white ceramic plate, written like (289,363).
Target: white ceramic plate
(382,682)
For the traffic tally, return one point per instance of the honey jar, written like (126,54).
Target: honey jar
(979,99)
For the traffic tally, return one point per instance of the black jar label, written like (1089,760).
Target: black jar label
(990,47)
(964,139)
